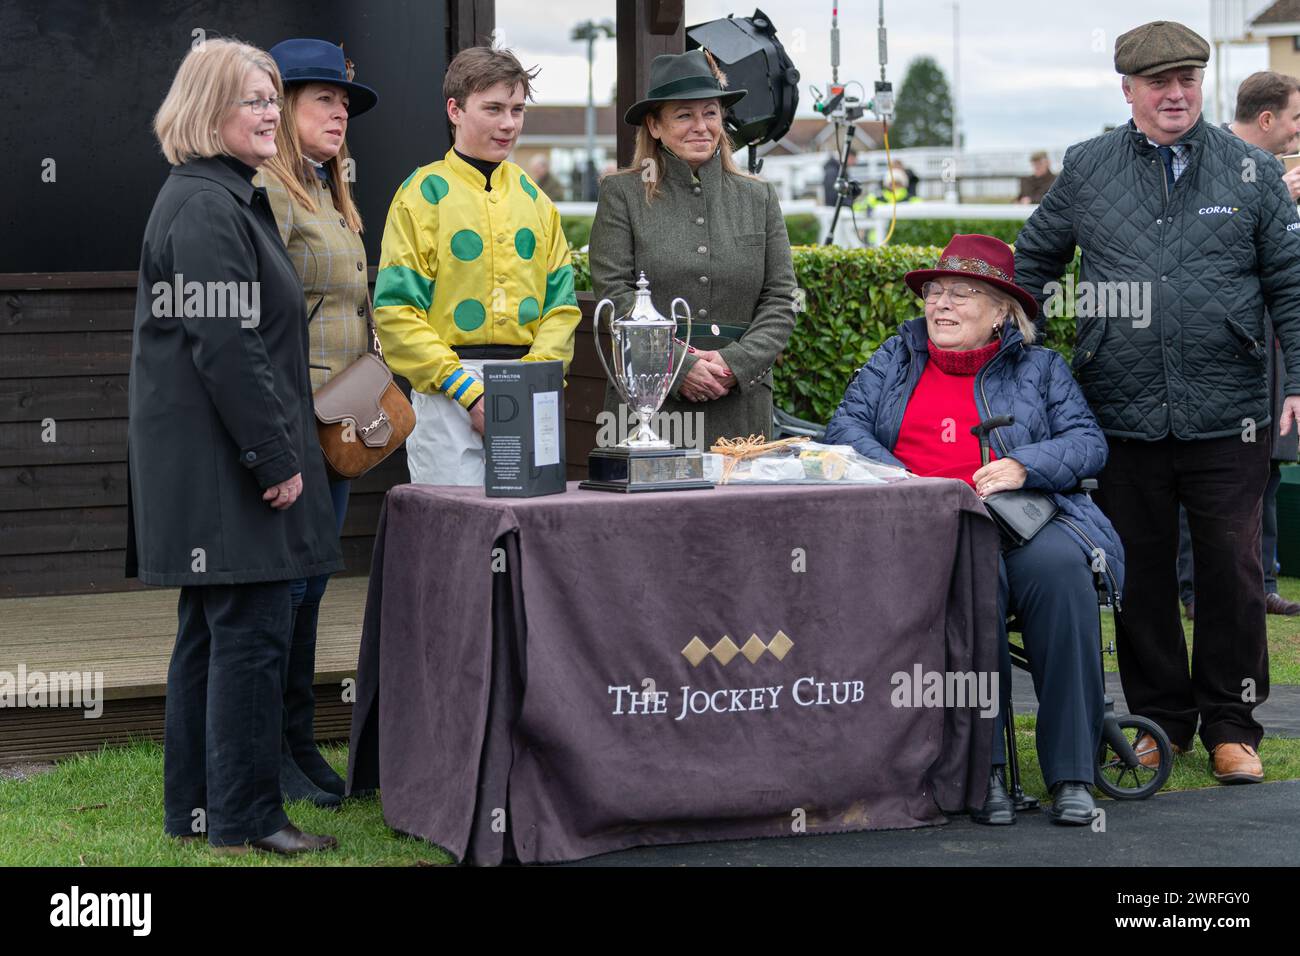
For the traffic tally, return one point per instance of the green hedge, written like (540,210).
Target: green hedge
(853,299)
(937,232)
(577,229)
(803,228)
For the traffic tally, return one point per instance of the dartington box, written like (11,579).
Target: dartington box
(523,438)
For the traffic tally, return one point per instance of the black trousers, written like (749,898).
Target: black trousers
(1048,583)
(1267,540)
(224,709)
(1220,482)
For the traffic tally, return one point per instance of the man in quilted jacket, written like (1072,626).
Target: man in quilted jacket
(1188,235)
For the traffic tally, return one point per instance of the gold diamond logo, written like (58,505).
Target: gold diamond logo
(780,645)
(753,648)
(725,650)
(695,651)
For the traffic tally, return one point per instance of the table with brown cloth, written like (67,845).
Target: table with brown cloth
(545,679)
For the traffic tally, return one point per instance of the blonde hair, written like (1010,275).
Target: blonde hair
(205,89)
(294,172)
(1015,312)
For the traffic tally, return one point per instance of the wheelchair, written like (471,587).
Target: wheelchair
(1119,773)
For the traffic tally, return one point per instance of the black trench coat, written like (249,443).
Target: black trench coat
(221,407)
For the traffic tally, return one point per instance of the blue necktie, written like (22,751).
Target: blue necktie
(1167,157)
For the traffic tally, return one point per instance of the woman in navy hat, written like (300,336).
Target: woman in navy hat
(971,357)
(308,184)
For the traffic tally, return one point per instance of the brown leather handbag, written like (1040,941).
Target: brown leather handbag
(362,417)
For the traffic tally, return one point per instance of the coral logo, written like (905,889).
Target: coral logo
(1216,210)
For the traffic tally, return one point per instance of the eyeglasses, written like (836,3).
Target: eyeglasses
(259,105)
(960,293)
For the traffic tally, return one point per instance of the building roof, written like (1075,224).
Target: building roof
(567,121)
(1283,11)
(562,123)
(815,135)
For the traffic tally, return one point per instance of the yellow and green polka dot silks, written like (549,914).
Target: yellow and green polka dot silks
(464,266)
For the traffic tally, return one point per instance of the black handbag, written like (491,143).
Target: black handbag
(1020,514)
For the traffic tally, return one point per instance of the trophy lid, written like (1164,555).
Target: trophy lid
(643,310)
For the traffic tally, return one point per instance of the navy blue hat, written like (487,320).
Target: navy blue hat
(319,61)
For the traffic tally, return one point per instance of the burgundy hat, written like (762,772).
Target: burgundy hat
(977,257)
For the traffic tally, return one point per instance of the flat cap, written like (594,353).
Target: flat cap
(1158,46)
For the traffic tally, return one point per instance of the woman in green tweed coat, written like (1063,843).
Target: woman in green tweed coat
(321,228)
(702,229)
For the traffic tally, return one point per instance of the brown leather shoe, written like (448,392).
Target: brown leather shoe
(1236,763)
(1148,753)
(1275,603)
(289,841)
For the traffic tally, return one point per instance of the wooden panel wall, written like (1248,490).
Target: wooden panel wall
(65,349)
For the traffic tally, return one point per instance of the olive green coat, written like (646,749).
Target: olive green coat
(721,244)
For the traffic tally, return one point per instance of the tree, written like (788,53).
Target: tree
(923,111)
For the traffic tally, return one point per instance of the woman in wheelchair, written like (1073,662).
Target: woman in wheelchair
(914,404)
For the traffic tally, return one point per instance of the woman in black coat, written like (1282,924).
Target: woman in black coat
(228,495)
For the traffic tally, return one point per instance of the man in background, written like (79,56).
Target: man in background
(831,176)
(1035,186)
(540,168)
(1267,116)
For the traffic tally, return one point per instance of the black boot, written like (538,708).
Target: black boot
(300,704)
(999,809)
(294,784)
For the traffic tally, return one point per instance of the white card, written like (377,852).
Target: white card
(546,428)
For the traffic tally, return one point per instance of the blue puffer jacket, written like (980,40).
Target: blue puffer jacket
(1055,436)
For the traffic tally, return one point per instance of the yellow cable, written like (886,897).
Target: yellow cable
(893,193)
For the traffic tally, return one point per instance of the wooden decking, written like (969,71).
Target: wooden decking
(128,637)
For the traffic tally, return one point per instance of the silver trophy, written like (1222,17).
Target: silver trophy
(642,370)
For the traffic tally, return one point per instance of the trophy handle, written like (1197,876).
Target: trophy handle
(672,311)
(600,353)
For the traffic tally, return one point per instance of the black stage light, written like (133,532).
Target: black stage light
(748,52)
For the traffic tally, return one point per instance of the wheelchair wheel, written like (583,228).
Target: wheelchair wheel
(1121,780)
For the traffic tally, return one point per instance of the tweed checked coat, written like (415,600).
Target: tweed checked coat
(721,244)
(331,260)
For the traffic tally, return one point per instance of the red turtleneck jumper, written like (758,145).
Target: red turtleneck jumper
(935,439)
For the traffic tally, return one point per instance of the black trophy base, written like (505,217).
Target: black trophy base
(630,470)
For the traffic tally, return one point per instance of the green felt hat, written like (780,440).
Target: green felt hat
(680,76)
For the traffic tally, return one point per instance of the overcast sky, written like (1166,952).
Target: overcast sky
(1031,73)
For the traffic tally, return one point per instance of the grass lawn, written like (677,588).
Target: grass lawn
(1283,638)
(105,809)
